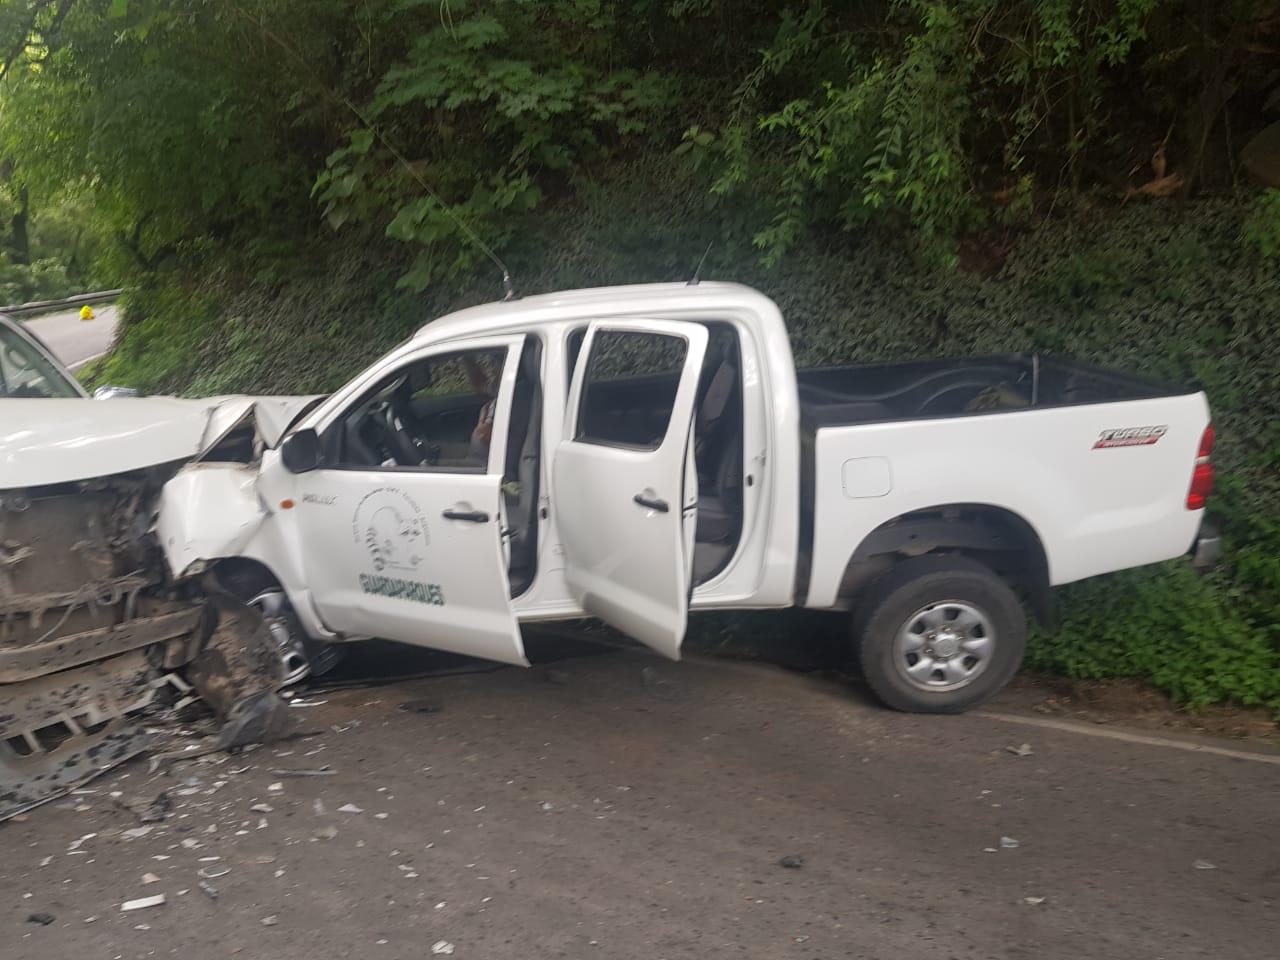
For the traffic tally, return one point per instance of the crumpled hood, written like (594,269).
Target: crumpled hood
(55,440)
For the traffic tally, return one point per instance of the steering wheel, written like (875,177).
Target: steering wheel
(384,439)
(379,412)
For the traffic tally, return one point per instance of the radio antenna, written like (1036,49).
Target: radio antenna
(509,292)
(697,272)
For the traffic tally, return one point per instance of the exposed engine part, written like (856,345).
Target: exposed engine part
(90,632)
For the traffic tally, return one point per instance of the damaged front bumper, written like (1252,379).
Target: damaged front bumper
(91,637)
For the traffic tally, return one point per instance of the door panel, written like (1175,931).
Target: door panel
(624,513)
(414,553)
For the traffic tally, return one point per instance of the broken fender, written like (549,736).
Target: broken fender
(208,511)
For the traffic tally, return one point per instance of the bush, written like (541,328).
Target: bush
(45,279)
(1168,625)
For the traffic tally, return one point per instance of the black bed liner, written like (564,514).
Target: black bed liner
(971,386)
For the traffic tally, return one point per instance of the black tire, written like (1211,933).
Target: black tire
(899,602)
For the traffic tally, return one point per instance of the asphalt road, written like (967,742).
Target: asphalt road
(620,806)
(73,340)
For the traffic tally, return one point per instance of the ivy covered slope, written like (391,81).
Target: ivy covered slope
(287,187)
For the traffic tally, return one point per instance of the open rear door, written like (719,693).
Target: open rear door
(623,502)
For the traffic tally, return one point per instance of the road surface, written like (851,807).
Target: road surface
(619,806)
(73,340)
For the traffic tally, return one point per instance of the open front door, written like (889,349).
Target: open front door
(619,478)
(399,527)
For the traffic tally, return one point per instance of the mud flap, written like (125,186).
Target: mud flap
(238,672)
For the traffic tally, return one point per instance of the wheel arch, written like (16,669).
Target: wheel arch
(228,568)
(996,536)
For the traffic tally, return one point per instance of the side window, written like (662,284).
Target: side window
(25,373)
(433,413)
(629,388)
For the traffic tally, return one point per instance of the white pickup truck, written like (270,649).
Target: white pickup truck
(633,453)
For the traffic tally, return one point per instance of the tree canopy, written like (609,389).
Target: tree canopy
(194,124)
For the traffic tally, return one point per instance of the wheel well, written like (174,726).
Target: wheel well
(245,571)
(994,536)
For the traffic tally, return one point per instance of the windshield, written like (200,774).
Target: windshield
(26,372)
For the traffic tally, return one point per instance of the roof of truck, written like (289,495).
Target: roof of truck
(633,300)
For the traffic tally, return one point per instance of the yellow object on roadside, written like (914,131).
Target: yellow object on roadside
(86,312)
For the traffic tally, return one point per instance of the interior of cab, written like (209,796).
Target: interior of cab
(629,403)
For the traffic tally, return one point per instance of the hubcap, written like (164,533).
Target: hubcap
(274,606)
(944,646)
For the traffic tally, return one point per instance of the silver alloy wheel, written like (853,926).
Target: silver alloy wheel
(944,646)
(274,607)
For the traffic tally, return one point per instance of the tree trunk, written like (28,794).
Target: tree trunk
(19,237)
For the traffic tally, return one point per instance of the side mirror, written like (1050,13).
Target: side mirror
(300,451)
(110,393)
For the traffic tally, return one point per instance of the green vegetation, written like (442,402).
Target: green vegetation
(287,187)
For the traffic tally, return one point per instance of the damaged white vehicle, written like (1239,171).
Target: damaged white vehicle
(637,452)
(91,627)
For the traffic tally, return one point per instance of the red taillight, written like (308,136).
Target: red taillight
(1202,475)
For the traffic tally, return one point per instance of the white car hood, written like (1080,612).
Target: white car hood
(55,440)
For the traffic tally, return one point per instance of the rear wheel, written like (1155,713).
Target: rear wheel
(940,634)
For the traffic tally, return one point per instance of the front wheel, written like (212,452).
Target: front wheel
(940,634)
(300,656)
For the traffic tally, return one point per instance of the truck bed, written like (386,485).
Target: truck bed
(1096,463)
(927,389)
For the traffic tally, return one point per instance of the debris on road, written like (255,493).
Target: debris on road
(150,878)
(133,833)
(143,903)
(213,873)
(208,889)
(350,808)
(792,861)
(43,919)
(442,948)
(75,844)
(419,706)
(1204,865)
(326,833)
(325,771)
(1023,750)
(1034,901)
(270,921)
(1008,843)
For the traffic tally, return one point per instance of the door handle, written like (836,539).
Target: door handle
(470,516)
(661,506)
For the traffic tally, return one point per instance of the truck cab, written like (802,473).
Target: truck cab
(614,453)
